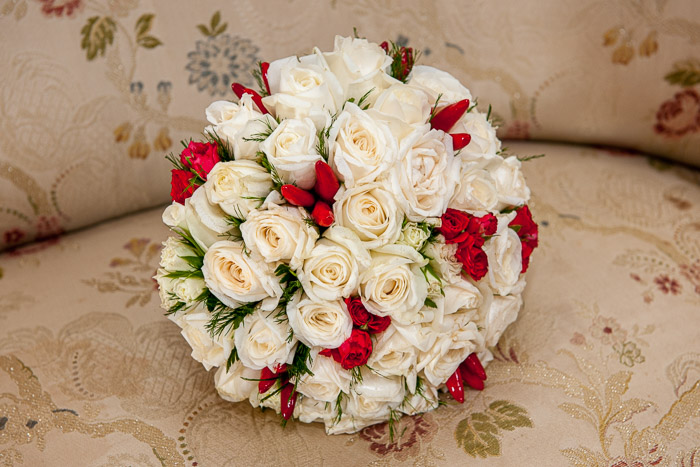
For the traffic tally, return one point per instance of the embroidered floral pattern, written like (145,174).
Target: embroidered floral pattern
(607,330)
(680,115)
(60,7)
(410,432)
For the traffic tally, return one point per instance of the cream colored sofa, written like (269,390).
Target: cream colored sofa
(603,366)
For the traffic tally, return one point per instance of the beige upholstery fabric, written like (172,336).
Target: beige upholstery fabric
(95,92)
(601,369)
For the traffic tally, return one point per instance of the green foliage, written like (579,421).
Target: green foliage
(142,27)
(215,27)
(97,33)
(292,284)
(433,111)
(529,158)
(276,179)
(223,147)
(430,303)
(685,73)
(300,364)
(258,76)
(362,102)
(232,358)
(324,135)
(224,319)
(263,135)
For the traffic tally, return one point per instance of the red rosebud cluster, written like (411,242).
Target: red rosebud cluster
(527,231)
(365,320)
(469,233)
(471,372)
(327,185)
(196,160)
(403,59)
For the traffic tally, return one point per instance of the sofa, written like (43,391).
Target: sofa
(602,367)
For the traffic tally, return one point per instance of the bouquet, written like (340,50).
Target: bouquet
(348,241)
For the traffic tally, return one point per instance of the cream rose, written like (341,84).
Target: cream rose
(172,253)
(504,252)
(449,351)
(166,289)
(421,402)
(189,289)
(332,269)
(502,312)
(323,324)
(394,284)
(483,135)
(291,149)
(510,183)
(462,295)
(327,381)
(425,178)
(372,398)
(228,118)
(476,190)
(437,82)
(360,66)
(210,352)
(174,215)
(421,335)
(236,384)
(405,103)
(313,410)
(262,341)
(246,145)
(371,212)
(235,277)
(363,149)
(444,260)
(303,87)
(392,354)
(237,187)
(279,233)
(202,234)
(413,235)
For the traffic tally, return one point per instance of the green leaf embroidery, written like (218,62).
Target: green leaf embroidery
(480,433)
(215,27)
(685,73)
(143,24)
(97,33)
(149,42)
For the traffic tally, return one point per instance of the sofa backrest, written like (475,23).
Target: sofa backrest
(94,93)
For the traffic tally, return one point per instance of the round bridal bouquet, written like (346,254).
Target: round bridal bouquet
(348,241)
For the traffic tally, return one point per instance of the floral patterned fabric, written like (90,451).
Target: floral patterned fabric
(96,92)
(91,373)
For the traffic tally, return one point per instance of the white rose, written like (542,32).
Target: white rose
(279,233)
(394,284)
(413,236)
(312,410)
(426,175)
(510,183)
(371,212)
(504,252)
(237,187)
(166,289)
(303,87)
(462,295)
(323,324)
(372,398)
(328,380)
(435,82)
(363,149)
(174,215)
(449,350)
(348,424)
(423,400)
(444,260)
(262,341)
(405,103)
(236,277)
(246,145)
(332,269)
(172,253)
(502,312)
(483,135)
(291,149)
(360,66)
(476,191)
(235,385)
(422,335)
(203,235)
(189,289)
(392,354)
(210,352)
(211,216)
(228,118)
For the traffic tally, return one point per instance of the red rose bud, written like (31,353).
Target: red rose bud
(267,380)
(454,385)
(322,214)
(454,222)
(474,261)
(358,313)
(473,364)
(528,232)
(446,118)
(239,90)
(355,351)
(200,157)
(328,353)
(377,324)
(473,381)
(484,225)
(296,196)
(385,45)
(181,186)
(327,184)
(460,140)
(264,66)
(288,399)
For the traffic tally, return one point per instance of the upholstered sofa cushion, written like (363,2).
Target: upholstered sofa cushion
(602,368)
(96,92)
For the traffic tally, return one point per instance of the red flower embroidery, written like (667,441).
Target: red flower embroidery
(679,115)
(668,285)
(414,431)
(13,236)
(59,7)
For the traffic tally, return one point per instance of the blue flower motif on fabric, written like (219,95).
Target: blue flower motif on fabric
(219,61)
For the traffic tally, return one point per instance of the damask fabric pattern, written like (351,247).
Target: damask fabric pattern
(95,92)
(607,346)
